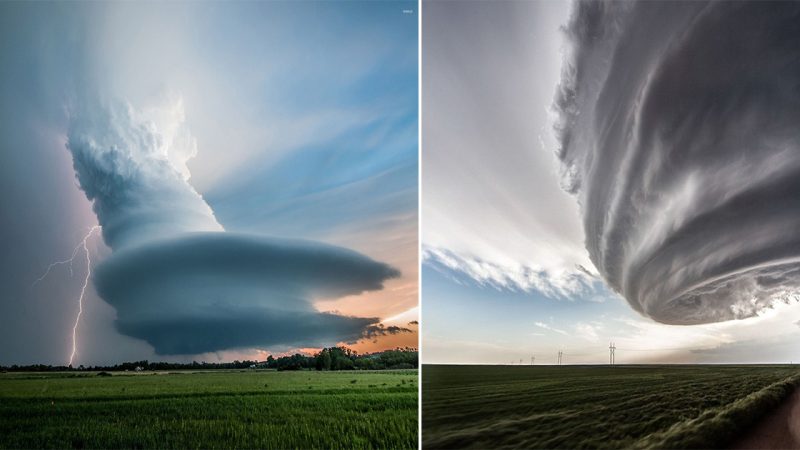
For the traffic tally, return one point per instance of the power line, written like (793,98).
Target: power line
(658,349)
(611,357)
(612,353)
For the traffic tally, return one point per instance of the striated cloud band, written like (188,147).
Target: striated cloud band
(678,135)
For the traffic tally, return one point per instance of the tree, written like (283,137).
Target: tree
(322,360)
(344,364)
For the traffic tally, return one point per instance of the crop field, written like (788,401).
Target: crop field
(220,409)
(597,407)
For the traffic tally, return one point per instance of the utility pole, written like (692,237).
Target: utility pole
(611,357)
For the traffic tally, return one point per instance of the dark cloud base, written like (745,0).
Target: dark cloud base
(205,292)
(678,130)
(247,328)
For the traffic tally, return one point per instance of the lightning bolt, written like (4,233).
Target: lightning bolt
(83,288)
(58,263)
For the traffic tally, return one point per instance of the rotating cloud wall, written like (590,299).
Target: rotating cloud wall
(678,129)
(178,280)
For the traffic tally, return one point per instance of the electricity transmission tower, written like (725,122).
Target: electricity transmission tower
(560,356)
(533,360)
(611,357)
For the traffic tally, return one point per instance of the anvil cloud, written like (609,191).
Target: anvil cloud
(678,134)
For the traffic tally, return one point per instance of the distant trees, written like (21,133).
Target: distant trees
(332,358)
(343,358)
(294,362)
(335,358)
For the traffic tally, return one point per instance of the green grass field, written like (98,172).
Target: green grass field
(220,409)
(597,407)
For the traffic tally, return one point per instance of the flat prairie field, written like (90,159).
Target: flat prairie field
(679,406)
(219,409)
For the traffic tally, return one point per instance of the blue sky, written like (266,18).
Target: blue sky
(290,120)
(467,322)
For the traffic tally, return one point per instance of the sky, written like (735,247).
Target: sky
(609,172)
(252,168)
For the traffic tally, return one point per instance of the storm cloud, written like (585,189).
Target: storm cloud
(290,142)
(175,278)
(678,134)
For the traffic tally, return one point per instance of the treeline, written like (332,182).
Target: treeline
(343,358)
(333,358)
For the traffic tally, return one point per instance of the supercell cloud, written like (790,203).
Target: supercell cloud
(678,126)
(179,281)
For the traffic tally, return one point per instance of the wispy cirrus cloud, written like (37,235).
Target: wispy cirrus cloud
(547,327)
(561,284)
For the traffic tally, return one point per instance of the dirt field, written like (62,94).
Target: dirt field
(596,407)
(779,430)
